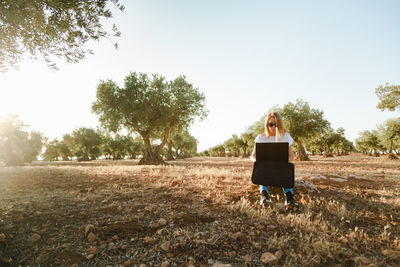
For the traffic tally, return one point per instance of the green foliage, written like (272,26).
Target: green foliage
(330,140)
(66,147)
(303,123)
(18,146)
(51,28)
(115,147)
(52,152)
(369,143)
(149,106)
(389,96)
(217,151)
(184,144)
(86,144)
(239,146)
(134,147)
(389,134)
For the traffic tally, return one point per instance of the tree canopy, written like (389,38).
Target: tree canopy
(389,96)
(389,134)
(149,106)
(51,28)
(18,146)
(303,122)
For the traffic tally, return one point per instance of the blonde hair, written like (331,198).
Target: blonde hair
(280,129)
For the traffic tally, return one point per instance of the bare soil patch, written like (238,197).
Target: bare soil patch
(200,212)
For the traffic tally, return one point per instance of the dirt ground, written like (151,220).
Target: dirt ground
(199,212)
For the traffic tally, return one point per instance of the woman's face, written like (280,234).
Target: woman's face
(271,125)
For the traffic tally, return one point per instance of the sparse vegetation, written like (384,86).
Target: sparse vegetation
(199,211)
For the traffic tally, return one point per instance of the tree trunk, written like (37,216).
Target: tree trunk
(302,153)
(150,157)
(169,155)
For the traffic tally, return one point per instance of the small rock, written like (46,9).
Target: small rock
(210,261)
(124,247)
(165,246)
(34,238)
(90,256)
(239,236)
(162,222)
(2,237)
(93,250)
(88,229)
(142,265)
(165,264)
(362,260)
(51,240)
(232,254)
(111,245)
(279,254)
(182,243)
(91,238)
(42,258)
(279,206)
(126,263)
(218,264)
(115,238)
(268,258)
(149,240)
(246,258)
(160,231)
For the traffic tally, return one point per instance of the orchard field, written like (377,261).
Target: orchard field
(199,212)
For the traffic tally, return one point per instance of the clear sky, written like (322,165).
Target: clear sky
(245,56)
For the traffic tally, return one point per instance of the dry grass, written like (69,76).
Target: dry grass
(199,211)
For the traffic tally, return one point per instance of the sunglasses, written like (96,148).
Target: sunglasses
(270,125)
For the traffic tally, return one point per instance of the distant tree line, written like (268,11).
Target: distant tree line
(308,127)
(155,112)
(313,134)
(383,140)
(18,145)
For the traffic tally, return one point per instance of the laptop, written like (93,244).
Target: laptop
(272,152)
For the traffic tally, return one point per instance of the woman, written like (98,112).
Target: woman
(274,132)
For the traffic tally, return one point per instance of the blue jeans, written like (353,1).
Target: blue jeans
(285,190)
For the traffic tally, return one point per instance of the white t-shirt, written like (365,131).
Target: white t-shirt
(262,138)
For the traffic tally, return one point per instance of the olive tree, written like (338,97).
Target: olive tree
(51,28)
(86,144)
(389,133)
(389,96)
(17,145)
(184,145)
(149,106)
(303,123)
(368,141)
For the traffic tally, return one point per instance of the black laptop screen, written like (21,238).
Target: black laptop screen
(272,152)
